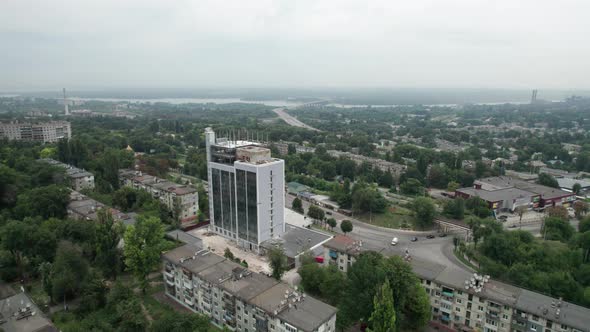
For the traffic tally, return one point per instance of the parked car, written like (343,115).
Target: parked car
(329,213)
(394,241)
(414,239)
(442,234)
(430,236)
(503,218)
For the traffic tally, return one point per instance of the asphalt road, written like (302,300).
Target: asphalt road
(438,250)
(292,120)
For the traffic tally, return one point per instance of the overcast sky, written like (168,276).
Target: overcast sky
(295,43)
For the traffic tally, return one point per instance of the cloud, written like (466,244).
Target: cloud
(422,43)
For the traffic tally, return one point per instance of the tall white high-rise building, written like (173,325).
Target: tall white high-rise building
(246,191)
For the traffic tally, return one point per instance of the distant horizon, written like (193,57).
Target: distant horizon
(346,96)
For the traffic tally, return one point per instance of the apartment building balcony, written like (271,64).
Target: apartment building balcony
(492,315)
(187,285)
(170,281)
(229,319)
(448,294)
(189,301)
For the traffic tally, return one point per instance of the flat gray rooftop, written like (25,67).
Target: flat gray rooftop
(19,314)
(297,239)
(185,237)
(502,293)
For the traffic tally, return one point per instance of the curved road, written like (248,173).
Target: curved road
(291,120)
(438,250)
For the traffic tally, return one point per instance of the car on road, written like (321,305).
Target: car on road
(414,239)
(329,213)
(442,234)
(394,241)
(512,226)
(503,218)
(430,236)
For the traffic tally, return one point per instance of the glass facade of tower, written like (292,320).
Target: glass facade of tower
(247,206)
(224,210)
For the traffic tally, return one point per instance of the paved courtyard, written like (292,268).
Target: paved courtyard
(217,244)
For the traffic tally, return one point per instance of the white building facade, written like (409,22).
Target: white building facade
(246,191)
(46,132)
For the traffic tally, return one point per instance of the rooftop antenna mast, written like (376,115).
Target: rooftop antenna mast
(66,108)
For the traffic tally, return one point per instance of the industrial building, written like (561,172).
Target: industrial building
(246,191)
(505,193)
(181,200)
(44,132)
(239,299)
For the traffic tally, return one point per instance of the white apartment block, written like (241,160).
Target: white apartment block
(79,178)
(246,191)
(45,132)
(181,200)
(494,306)
(239,299)
(461,302)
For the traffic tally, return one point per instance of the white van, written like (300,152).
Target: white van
(394,241)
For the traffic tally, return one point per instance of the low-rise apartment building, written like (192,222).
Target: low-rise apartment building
(385,166)
(83,207)
(239,299)
(341,251)
(462,301)
(45,132)
(181,200)
(79,179)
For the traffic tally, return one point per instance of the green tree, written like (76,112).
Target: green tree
(558,212)
(424,211)
(228,254)
(315,212)
(331,222)
(412,187)
(383,317)
(297,205)
(312,276)
(346,226)
(454,208)
(68,272)
(557,229)
(143,244)
(453,186)
(577,188)
(178,322)
(580,209)
(94,291)
(106,240)
(47,202)
(278,262)
(125,198)
(331,287)
(547,180)
(584,225)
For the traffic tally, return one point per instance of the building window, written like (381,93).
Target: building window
(457,309)
(459,301)
(535,318)
(480,308)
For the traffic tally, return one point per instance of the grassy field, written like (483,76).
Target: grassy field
(393,217)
